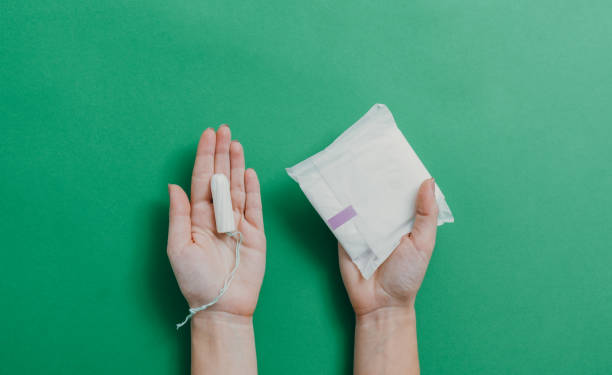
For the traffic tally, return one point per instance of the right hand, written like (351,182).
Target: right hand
(395,283)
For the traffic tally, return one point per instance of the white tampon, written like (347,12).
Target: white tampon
(222,202)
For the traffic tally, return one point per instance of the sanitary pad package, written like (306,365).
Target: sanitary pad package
(364,186)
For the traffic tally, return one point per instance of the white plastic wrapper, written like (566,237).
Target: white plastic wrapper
(364,186)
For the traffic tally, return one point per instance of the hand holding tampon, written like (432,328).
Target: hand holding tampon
(202,258)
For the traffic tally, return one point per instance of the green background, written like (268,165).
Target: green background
(508,103)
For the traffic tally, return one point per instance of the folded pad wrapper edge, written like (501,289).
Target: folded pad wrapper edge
(364,186)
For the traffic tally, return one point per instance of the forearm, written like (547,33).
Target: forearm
(222,343)
(386,342)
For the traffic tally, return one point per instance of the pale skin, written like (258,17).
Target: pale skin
(222,337)
(385,332)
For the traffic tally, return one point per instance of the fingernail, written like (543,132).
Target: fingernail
(433,185)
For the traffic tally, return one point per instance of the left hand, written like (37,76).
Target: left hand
(201,258)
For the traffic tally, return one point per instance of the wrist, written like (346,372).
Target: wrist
(386,342)
(391,315)
(222,343)
(215,324)
(220,318)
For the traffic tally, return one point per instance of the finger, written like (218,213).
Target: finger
(203,167)
(348,270)
(179,228)
(253,211)
(222,159)
(237,175)
(426,220)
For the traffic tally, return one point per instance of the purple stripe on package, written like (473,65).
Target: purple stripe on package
(342,217)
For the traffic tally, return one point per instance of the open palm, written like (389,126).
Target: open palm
(201,258)
(396,282)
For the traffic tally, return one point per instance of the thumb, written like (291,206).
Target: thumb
(179,230)
(426,221)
